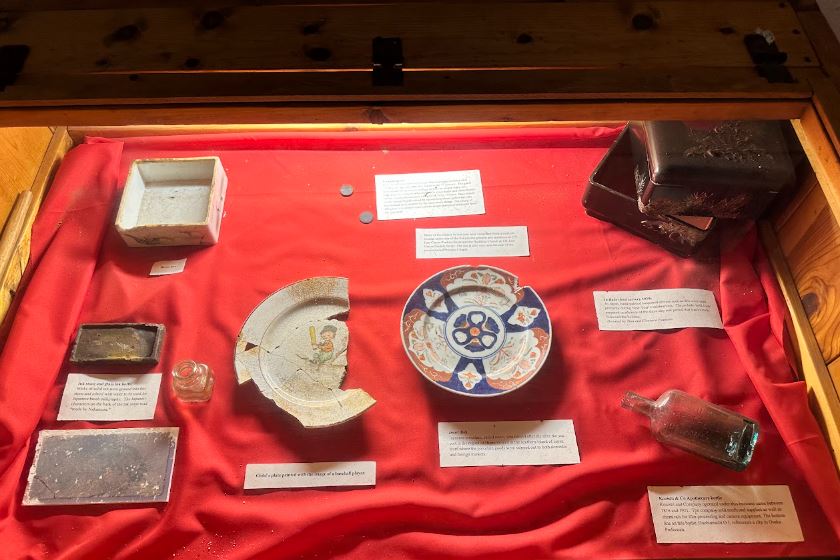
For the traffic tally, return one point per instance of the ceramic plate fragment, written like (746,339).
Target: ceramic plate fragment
(474,331)
(294,347)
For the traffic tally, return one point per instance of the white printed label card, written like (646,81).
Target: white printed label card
(101,397)
(530,442)
(162,268)
(442,243)
(723,514)
(648,310)
(429,195)
(309,475)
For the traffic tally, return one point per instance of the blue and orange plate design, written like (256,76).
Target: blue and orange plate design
(473,331)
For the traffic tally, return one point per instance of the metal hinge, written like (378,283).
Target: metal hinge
(768,59)
(12,59)
(387,61)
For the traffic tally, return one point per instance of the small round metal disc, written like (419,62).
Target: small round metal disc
(346,190)
(366,217)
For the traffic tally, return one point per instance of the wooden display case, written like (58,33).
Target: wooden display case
(172,68)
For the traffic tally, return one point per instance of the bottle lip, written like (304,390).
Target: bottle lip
(185,368)
(637,403)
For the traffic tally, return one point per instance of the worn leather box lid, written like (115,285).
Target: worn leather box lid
(726,169)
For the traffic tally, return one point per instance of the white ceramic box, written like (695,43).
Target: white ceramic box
(173,201)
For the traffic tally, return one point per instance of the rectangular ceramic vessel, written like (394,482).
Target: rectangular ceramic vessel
(725,169)
(611,196)
(118,343)
(177,201)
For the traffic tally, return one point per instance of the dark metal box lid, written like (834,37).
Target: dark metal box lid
(723,162)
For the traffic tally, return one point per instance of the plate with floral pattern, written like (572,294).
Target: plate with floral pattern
(474,331)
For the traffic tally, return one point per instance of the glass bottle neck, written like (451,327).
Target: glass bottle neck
(189,374)
(638,403)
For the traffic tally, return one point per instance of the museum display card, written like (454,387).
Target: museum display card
(310,475)
(651,310)
(429,195)
(476,444)
(164,268)
(109,396)
(443,243)
(723,514)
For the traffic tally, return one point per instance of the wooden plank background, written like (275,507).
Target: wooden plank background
(21,151)
(283,53)
(426,86)
(559,35)
(42,161)
(200,6)
(808,231)
(810,240)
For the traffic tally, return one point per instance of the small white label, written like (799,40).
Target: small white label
(429,195)
(647,310)
(478,444)
(309,475)
(723,514)
(162,268)
(442,243)
(109,397)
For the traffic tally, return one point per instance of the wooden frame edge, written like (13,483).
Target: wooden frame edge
(59,145)
(78,133)
(825,402)
(815,138)
(414,113)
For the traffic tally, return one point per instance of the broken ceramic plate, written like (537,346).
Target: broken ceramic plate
(473,331)
(294,347)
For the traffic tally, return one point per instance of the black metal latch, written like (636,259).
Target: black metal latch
(12,58)
(768,59)
(387,61)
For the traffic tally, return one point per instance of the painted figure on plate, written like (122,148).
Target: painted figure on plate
(324,351)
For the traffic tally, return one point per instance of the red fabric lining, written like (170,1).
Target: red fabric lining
(285,221)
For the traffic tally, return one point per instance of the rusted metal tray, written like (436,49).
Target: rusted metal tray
(118,343)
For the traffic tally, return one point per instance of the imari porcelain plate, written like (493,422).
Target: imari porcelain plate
(474,331)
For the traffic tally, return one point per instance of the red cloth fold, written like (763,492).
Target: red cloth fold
(749,314)
(284,221)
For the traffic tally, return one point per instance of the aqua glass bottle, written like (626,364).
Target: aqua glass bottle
(699,427)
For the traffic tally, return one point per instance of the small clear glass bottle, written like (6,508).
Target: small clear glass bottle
(192,381)
(699,427)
